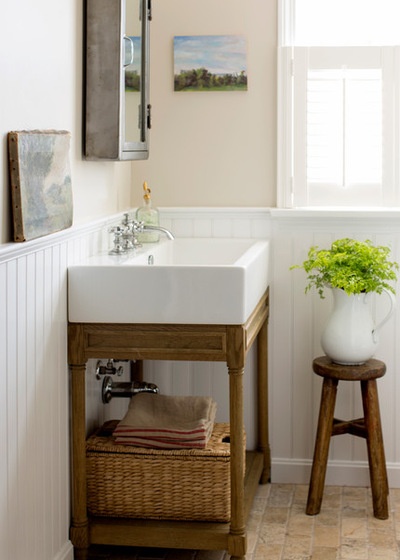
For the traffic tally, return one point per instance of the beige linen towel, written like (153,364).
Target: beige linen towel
(173,422)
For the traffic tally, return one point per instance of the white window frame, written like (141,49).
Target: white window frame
(292,80)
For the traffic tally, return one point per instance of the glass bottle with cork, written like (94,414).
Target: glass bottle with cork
(149,216)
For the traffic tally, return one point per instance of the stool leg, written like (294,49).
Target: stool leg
(321,450)
(376,452)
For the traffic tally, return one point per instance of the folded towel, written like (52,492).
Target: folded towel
(163,421)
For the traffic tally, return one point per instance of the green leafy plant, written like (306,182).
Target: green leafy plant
(354,266)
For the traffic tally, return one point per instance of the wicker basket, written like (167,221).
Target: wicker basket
(134,482)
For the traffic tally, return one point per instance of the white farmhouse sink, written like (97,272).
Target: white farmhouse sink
(191,281)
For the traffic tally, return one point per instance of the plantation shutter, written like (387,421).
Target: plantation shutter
(343,114)
(344,127)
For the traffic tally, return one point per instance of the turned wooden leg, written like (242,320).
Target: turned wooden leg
(235,362)
(376,452)
(79,529)
(321,450)
(237,451)
(262,395)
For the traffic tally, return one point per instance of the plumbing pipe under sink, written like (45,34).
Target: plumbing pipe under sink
(125,389)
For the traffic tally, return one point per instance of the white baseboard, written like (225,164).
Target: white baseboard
(66,552)
(339,473)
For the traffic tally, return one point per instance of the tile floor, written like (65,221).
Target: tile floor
(278,529)
(345,529)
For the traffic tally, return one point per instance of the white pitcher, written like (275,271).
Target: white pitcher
(350,336)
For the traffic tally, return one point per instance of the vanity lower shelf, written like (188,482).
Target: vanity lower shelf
(175,534)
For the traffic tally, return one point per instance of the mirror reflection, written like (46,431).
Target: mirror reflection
(133,57)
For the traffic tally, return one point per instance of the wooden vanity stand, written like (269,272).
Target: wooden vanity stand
(224,343)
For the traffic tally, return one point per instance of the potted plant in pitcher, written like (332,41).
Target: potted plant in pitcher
(352,270)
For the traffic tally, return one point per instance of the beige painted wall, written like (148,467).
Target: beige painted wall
(207,149)
(41,88)
(212,148)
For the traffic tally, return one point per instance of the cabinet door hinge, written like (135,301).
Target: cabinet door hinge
(149,13)
(149,116)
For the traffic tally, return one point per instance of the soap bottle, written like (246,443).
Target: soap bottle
(149,216)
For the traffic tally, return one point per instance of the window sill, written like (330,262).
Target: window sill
(336,212)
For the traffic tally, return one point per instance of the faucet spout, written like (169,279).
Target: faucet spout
(166,231)
(125,388)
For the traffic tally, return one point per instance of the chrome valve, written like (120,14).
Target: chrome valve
(108,369)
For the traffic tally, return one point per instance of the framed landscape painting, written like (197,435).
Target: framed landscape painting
(210,63)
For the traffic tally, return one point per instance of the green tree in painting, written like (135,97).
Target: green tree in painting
(202,79)
(132,80)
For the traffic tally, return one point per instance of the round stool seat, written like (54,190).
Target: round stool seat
(368,427)
(371,369)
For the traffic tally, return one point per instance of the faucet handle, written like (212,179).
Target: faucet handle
(117,230)
(126,220)
(118,237)
(138,226)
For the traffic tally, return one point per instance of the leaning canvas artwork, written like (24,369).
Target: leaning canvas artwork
(210,63)
(40,180)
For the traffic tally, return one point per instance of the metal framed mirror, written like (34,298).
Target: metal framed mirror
(117,108)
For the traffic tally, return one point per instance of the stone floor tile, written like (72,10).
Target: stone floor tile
(281,495)
(252,538)
(355,494)
(354,528)
(294,556)
(277,515)
(297,546)
(382,554)
(263,490)
(382,539)
(272,534)
(268,551)
(326,536)
(324,553)
(354,510)
(395,493)
(331,501)
(259,505)
(353,549)
(331,489)
(300,524)
(300,495)
(254,520)
(382,524)
(330,518)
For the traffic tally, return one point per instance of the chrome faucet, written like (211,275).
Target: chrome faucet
(146,227)
(126,235)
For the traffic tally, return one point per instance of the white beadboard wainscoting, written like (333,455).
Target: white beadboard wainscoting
(296,324)
(34,415)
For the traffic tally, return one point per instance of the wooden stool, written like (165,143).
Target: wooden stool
(368,427)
